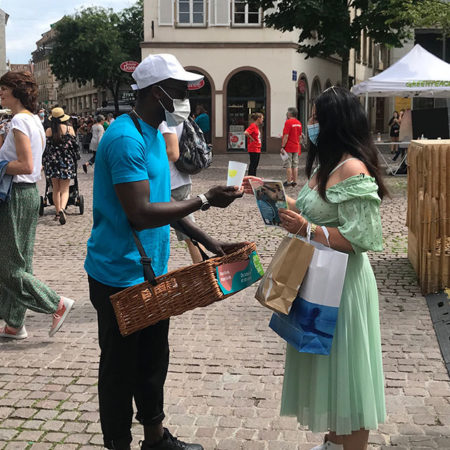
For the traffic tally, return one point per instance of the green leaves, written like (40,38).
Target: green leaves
(92,43)
(334,27)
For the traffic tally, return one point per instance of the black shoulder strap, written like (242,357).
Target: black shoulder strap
(149,274)
(135,120)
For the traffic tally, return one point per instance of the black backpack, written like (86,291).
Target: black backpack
(195,153)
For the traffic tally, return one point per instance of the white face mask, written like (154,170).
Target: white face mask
(181,110)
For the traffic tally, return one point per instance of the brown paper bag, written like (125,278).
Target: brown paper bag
(281,282)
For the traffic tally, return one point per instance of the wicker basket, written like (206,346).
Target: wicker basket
(176,292)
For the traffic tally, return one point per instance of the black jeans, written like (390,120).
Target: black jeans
(254,161)
(130,367)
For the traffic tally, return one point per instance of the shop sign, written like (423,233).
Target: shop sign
(129,66)
(294,75)
(196,85)
(301,86)
(128,96)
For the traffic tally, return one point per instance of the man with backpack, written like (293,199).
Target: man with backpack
(132,189)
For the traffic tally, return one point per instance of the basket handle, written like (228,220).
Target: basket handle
(179,225)
(149,274)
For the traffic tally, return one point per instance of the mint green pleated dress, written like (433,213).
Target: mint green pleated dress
(344,391)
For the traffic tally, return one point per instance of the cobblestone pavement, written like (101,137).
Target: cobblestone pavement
(225,376)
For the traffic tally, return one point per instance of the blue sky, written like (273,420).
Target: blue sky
(30,18)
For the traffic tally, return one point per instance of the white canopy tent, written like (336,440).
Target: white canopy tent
(418,74)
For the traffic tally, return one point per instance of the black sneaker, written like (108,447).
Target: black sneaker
(293,184)
(170,442)
(287,183)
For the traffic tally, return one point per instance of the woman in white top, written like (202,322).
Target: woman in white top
(97,133)
(22,155)
(180,183)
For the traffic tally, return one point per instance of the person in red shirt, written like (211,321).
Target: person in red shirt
(290,143)
(253,134)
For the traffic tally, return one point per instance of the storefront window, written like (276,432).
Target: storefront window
(246,94)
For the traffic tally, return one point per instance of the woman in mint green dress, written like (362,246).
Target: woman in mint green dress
(342,393)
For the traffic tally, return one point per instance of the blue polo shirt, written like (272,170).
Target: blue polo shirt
(124,156)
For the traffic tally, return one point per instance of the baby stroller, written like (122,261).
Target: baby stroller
(75,198)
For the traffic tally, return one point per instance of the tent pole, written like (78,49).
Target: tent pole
(366,103)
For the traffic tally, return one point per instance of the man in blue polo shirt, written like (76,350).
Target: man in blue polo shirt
(132,189)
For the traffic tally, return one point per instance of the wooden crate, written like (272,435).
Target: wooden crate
(429,212)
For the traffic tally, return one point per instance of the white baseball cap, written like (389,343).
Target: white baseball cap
(155,68)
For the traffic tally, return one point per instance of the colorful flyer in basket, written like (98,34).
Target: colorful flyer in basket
(270,197)
(236,276)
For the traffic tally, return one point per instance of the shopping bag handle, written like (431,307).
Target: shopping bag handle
(325,232)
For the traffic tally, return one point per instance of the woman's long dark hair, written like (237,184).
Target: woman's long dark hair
(343,129)
(56,137)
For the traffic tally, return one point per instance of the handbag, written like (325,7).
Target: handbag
(310,324)
(195,153)
(280,284)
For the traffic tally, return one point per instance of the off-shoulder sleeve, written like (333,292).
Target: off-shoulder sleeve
(359,213)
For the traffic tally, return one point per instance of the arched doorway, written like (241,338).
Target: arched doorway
(246,94)
(315,90)
(302,99)
(201,95)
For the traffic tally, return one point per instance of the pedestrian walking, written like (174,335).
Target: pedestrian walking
(180,183)
(132,189)
(342,393)
(253,134)
(60,159)
(97,131)
(290,143)
(22,155)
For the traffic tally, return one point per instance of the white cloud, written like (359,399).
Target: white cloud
(29,19)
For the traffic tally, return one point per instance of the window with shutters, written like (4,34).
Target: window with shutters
(244,15)
(191,13)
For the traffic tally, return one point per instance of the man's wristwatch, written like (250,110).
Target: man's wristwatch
(205,204)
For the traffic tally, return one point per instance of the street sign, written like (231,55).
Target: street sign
(129,66)
(294,75)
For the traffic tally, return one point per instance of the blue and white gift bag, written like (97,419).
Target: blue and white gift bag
(309,326)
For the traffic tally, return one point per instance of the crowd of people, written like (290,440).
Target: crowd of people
(136,190)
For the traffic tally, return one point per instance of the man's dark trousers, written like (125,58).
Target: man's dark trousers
(130,367)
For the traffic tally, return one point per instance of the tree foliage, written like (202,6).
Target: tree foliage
(333,27)
(428,14)
(92,43)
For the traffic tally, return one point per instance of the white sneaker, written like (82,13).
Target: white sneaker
(329,446)
(64,307)
(21,333)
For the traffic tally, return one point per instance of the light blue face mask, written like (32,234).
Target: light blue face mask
(313,132)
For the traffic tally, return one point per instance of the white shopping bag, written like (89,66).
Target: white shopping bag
(310,324)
